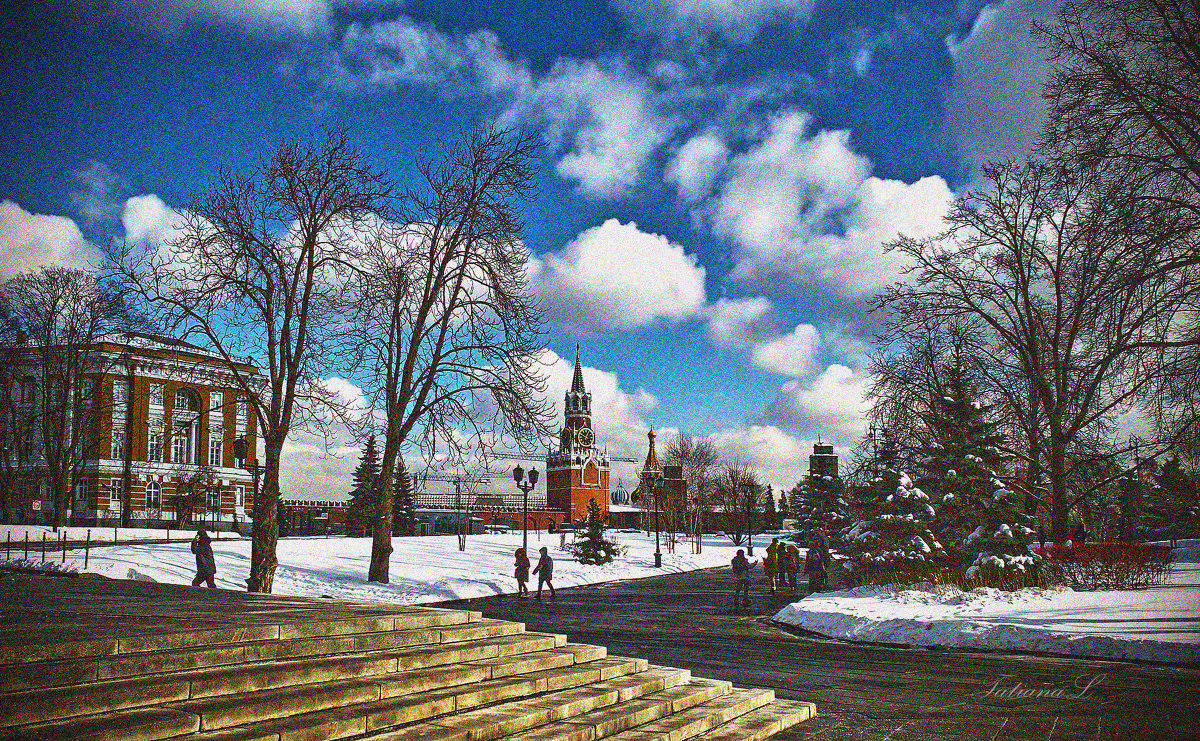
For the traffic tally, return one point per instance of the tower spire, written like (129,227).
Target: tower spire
(652,464)
(577,381)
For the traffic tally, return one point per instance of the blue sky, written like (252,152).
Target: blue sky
(718,179)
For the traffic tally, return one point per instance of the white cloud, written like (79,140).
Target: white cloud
(170,17)
(599,115)
(96,199)
(779,458)
(615,276)
(792,354)
(697,165)
(804,211)
(148,221)
(830,404)
(994,103)
(736,20)
(738,322)
(29,240)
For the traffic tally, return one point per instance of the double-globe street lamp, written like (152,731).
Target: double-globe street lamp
(525,486)
(749,487)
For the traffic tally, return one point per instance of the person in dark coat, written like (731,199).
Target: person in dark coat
(814,566)
(206,564)
(1041,537)
(545,572)
(741,577)
(791,565)
(521,572)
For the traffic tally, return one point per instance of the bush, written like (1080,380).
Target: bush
(1107,565)
(1008,580)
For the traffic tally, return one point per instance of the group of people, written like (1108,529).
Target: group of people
(781,565)
(544,571)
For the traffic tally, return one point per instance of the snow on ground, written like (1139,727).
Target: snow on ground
(35,532)
(427,569)
(1154,624)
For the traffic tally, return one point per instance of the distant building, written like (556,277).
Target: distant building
(823,462)
(577,472)
(162,418)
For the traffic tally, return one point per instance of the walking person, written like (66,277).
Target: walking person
(1041,538)
(814,566)
(771,563)
(791,566)
(206,563)
(521,572)
(545,572)
(741,578)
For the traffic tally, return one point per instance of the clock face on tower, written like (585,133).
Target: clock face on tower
(584,437)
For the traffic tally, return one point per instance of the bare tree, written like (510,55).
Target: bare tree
(1034,261)
(698,459)
(451,335)
(258,269)
(738,494)
(62,315)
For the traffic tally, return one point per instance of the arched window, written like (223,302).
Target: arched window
(185,401)
(153,499)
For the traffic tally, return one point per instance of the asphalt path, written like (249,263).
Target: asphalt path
(865,691)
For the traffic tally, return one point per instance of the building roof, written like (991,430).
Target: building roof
(577,381)
(652,465)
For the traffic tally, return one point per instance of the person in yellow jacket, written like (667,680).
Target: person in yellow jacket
(771,563)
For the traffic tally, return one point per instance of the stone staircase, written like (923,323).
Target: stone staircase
(413,673)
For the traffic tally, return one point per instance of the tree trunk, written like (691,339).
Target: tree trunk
(266,526)
(381,523)
(1059,514)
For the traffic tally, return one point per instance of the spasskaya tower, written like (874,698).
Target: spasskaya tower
(577,471)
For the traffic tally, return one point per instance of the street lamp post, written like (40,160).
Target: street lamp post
(656,486)
(525,487)
(749,529)
(241,449)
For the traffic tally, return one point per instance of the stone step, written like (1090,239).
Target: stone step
(413,712)
(616,718)
(404,619)
(246,646)
(55,704)
(763,722)
(705,716)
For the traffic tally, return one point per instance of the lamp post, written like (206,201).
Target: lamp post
(656,486)
(241,449)
(525,487)
(749,507)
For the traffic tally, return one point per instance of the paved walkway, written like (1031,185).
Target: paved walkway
(866,692)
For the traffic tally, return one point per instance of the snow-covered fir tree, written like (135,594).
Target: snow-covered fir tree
(404,514)
(770,514)
(893,534)
(979,520)
(819,506)
(361,509)
(593,547)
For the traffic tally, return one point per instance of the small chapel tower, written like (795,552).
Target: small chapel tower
(577,471)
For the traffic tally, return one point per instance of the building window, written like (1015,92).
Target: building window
(216,404)
(120,392)
(153,497)
(185,401)
(243,416)
(116,493)
(214,500)
(87,390)
(118,444)
(240,494)
(154,448)
(157,394)
(182,450)
(214,450)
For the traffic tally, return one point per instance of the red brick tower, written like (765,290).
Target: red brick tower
(577,471)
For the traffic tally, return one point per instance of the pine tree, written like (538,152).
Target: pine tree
(770,513)
(784,512)
(593,547)
(361,510)
(979,520)
(895,535)
(819,507)
(404,515)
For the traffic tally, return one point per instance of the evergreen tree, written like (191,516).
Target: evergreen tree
(770,513)
(819,507)
(784,512)
(361,510)
(1175,500)
(895,535)
(979,520)
(404,515)
(593,547)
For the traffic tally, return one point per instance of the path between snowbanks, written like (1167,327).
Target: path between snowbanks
(1160,624)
